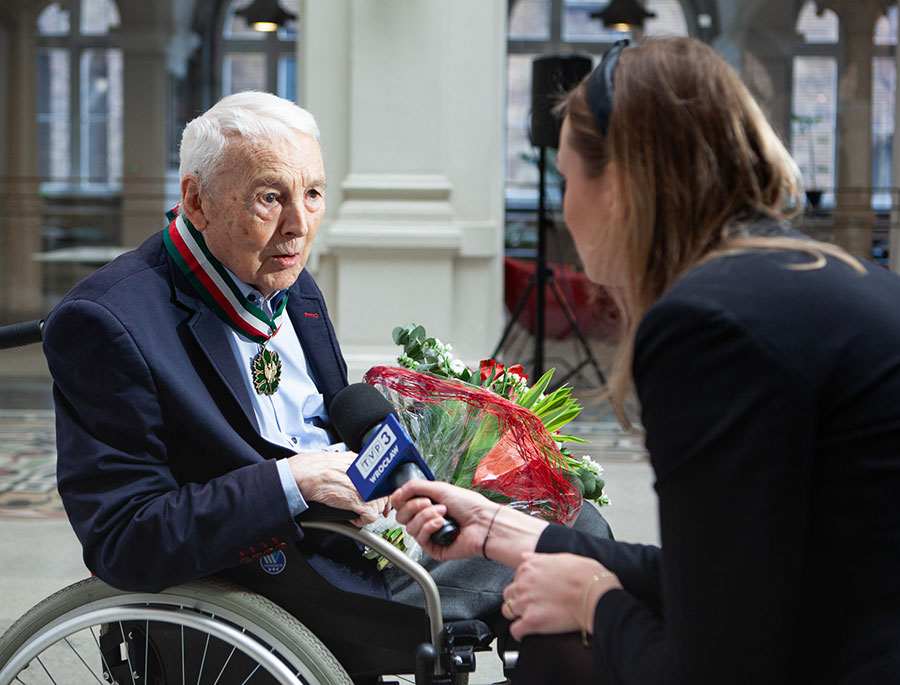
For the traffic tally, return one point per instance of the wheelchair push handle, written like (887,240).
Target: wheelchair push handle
(20,334)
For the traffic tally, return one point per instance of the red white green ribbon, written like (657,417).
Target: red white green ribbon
(214,284)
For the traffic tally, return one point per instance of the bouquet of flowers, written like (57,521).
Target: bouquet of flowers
(486,430)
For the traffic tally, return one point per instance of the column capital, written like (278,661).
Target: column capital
(857,16)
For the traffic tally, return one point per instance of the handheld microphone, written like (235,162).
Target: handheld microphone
(387,459)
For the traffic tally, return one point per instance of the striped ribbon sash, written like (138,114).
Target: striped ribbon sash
(213,283)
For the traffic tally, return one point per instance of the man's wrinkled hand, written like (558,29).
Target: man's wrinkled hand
(322,477)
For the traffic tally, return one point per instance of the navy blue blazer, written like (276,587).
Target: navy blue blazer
(161,467)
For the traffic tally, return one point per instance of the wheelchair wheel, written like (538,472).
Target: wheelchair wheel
(205,631)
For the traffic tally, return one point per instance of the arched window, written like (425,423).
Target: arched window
(79,84)
(814,99)
(538,27)
(256,60)
(884,87)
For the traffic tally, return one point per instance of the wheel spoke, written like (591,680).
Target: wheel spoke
(100,652)
(203,660)
(46,671)
(182,656)
(225,665)
(127,652)
(80,658)
(146,647)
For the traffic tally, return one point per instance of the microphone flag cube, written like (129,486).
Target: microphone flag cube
(383,453)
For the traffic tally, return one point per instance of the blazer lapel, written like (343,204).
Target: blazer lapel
(310,319)
(208,331)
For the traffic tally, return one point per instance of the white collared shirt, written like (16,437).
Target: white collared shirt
(294,416)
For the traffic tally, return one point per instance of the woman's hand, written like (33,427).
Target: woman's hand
(421,506)
(485,528)
(555,593)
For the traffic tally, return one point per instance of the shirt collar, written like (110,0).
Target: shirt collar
(255,296)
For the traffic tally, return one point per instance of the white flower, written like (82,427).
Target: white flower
(590,465)
(457,366)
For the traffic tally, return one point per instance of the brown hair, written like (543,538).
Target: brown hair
(695,161)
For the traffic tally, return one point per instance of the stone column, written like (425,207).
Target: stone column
(410,99)
(144,62)
(21,281)
(894,231)
(853,217)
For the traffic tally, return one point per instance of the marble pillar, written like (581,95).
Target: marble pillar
(894,231)
(21,281)
(145,55)
(853,217)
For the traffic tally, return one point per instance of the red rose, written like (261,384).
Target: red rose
(518,370)
(490,369)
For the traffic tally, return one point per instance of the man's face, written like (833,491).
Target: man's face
(260,213)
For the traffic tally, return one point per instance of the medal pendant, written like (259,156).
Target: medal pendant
(266,371)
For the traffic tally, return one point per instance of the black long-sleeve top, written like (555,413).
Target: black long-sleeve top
(771,403)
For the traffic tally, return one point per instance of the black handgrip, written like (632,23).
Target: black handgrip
(19,334)
(322,512)
(446,534)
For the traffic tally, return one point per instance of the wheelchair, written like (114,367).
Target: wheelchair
(215,630)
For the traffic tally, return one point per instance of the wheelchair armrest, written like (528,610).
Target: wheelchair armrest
(322,512)
(404,563)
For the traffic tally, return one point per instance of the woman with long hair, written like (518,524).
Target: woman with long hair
(767,368)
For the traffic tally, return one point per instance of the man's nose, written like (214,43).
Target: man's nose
(294,219)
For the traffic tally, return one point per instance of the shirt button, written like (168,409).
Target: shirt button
(294,440)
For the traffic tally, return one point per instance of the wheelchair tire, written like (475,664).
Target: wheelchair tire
(63,634)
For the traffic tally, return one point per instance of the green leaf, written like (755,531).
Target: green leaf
(528,398)
(414,350)
(559,418)
(418,333)
(559,437)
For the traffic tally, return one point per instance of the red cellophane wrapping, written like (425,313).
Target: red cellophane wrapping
(475,438)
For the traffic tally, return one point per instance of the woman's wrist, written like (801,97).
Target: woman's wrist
(591,594)
(509,534)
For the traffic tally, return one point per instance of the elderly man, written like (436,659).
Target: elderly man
(192,380)
(192,377)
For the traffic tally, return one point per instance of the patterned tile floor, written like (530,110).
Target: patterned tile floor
(28,465)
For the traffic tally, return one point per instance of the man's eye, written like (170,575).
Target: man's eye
(313,194)
(269,198)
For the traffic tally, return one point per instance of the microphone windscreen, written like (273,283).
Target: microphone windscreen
(355,410)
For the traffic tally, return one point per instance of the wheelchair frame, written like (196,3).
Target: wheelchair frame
(249,623)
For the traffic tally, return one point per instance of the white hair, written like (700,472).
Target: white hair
(251,115)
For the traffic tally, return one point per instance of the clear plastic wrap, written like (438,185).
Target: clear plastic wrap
(476,439)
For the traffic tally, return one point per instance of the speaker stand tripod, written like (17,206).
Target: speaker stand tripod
(544,276)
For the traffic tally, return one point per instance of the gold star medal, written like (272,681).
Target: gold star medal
(265,370)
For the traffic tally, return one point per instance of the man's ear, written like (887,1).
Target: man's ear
(192,201)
